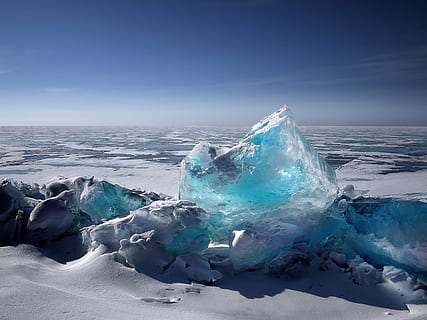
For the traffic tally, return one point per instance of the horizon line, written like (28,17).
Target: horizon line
(202,126)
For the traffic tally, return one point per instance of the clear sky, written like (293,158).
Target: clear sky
(219,62)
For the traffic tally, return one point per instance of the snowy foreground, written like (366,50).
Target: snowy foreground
(247,247)
(97,287)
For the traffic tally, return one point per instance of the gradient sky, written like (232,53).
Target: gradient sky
(219,62)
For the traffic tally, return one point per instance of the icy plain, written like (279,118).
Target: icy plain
(112,281)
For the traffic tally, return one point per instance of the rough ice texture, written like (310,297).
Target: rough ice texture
(61,207)
(141,229)
(382,231)
(165,235)
(100,199)
(358,234)
(272,174)
(174,224)
(389,232)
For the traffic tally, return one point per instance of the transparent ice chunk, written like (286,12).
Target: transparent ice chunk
(272,174)
(103,200)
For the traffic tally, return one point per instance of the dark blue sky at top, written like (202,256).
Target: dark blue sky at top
(212,62)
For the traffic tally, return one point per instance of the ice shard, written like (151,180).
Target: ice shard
(98,199)
(103,200)
(271,174)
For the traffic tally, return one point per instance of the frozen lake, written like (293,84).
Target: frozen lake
(372,158)
(383,161)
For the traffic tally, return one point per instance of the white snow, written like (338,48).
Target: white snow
(33,286)
(158,177)
(408,185)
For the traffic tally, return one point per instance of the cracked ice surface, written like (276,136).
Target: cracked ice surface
(272,175)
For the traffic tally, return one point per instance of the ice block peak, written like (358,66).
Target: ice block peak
(270,121)
(271,174)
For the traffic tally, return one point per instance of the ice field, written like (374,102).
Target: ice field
(265,207)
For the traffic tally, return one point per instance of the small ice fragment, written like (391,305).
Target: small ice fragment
(195,268)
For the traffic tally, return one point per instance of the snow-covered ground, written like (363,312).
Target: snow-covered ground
(381,161)
(35,287)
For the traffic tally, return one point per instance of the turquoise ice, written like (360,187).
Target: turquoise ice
(389,232)
(273,173)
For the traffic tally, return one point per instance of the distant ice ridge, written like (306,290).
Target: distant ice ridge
(272,176)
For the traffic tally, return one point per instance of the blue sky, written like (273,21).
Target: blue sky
(219,62)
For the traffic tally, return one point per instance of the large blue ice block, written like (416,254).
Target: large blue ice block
(273,173)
